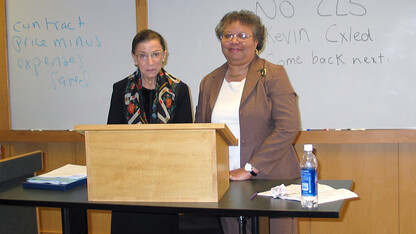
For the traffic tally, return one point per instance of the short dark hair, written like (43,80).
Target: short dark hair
(247,18)
(146,35)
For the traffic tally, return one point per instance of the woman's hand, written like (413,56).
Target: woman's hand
(240,174)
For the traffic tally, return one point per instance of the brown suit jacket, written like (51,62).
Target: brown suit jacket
(269,118)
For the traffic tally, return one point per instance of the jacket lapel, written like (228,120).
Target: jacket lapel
(253,76)
(217,79)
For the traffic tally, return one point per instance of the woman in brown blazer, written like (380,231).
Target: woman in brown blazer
(257,102)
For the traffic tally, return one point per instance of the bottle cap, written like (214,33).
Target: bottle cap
(308,147)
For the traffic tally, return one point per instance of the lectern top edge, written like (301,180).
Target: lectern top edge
(220,127)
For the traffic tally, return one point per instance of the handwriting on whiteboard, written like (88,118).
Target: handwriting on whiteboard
(333,33)
(52,48)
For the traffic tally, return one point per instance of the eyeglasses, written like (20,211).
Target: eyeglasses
(230,36)
(156,55)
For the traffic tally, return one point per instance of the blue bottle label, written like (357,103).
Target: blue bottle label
(309,182)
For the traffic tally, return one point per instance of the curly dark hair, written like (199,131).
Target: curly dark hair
(247,18)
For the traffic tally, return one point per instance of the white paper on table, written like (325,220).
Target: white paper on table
(64,175)
(68,171)
(325,193)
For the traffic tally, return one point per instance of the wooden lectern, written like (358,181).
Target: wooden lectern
(157,162)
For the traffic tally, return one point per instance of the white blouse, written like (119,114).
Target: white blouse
(226,110)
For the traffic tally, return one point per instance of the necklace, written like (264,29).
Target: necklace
(239,74)
(151,82)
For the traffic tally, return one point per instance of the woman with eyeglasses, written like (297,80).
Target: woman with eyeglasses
(148,96)
(257,102)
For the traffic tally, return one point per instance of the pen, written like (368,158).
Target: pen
(253,196)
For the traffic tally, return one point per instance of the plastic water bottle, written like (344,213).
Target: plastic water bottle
(309,178)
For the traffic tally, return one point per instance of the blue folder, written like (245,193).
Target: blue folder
(61,187)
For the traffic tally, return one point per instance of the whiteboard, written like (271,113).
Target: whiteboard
(352,63)
(63,57)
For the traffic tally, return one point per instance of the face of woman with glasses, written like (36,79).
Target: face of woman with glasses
(149,56)
(238,44)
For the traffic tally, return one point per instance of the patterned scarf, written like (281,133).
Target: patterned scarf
(163,103)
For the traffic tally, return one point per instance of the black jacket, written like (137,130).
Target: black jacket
(118,111)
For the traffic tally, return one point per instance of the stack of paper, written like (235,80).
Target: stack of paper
(325,193)
(63,178)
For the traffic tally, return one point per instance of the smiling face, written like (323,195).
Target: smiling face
(238,51)
(149,56)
